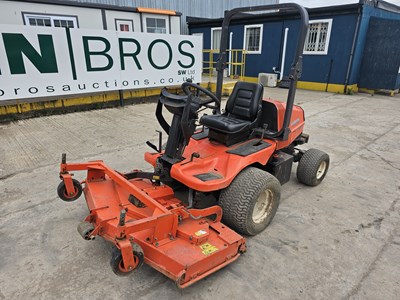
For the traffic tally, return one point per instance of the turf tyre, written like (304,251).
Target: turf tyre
(240,201)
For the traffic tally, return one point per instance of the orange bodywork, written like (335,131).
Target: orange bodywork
(181,243)
(296,125)
(214,158)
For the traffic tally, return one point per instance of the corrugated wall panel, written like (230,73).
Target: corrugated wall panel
(381,58)
(192,8)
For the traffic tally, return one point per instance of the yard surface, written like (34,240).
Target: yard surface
(338,240)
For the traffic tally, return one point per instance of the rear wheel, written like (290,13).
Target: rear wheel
(251,201)
(313,166)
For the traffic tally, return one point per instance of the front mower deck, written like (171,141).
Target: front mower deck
(180,242)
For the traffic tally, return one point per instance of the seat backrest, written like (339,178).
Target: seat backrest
(245,101)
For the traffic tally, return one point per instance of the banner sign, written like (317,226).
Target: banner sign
(41,61)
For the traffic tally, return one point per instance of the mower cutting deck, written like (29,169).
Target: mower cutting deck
(147,223)
(238,158)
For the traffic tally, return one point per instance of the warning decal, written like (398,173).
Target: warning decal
(207,248)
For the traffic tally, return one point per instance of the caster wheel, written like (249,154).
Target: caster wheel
(62,191)
(85,229)
(117,264)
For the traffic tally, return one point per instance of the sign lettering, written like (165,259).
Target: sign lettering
(40,61)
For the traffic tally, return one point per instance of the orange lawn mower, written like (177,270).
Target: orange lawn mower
(213,181)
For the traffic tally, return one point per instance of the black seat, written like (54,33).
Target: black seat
(242,113)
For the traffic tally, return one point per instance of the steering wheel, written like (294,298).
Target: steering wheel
(205,103)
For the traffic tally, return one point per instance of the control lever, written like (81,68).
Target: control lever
(265,127)
(194,155)
(154,147)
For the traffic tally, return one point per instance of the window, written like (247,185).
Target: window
(39,21)
(50,20)
(123,25)
(63,23)
(155,25)
(216,38)
(317,40)
(253,38)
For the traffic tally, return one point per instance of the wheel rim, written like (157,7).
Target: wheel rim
(125,270)
(263,206)
(321,170)
(71,196)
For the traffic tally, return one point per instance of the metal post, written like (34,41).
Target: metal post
(283,54)
(121,98)
(230,54)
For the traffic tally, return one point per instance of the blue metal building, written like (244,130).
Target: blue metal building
(347,46)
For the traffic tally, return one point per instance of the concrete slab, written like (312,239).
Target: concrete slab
(338,240)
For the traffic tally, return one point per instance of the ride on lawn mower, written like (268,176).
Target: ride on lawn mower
(239,157)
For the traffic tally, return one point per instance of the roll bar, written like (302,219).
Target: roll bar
(295,71)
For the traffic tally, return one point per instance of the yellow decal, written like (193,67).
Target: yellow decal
(207,248)
(200,232)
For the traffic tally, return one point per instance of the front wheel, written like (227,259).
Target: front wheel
(250,202)
(313,166)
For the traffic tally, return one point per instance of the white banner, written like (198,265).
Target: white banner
(41,62)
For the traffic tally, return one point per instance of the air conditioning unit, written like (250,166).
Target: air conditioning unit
(268,79)
(263,79)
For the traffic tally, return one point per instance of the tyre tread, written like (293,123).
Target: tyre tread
(308,166)
(236,200)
